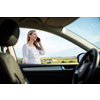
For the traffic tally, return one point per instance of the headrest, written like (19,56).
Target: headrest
(9,33)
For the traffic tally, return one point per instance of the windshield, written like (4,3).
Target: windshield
(88,28)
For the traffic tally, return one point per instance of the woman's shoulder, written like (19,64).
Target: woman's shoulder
(25,45)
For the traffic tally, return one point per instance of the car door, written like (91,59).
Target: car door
(48,74)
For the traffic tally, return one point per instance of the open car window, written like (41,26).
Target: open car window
(58,50)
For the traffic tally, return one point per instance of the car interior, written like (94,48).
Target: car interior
(86,72)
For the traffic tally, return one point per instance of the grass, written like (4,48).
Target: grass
(56,60)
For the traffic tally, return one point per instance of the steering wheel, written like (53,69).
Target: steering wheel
(85,70)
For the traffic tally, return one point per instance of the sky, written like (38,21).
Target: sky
(88,28)
(56,46)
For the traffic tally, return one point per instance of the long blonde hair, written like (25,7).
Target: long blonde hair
(35,42)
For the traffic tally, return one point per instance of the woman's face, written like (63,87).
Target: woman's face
(33,36)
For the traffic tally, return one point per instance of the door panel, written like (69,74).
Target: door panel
(48,74)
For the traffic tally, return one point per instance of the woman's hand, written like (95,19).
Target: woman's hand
(40,43)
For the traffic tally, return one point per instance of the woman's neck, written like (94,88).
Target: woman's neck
(30,43)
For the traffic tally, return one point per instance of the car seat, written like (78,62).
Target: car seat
(10,72)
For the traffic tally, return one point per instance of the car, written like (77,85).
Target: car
(86,71)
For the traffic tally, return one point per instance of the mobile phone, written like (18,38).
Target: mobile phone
(38,39)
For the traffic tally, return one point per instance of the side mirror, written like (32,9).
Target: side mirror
(80,56)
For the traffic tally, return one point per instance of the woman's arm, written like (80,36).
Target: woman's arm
(25,54)
(25,63)
(41,52)
(40,44)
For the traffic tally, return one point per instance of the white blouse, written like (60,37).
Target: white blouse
(31,54)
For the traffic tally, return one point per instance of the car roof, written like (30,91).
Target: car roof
(37,22)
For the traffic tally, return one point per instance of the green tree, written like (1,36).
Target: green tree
(48,62)
(63,61)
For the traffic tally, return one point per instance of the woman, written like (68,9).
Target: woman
(32,49)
